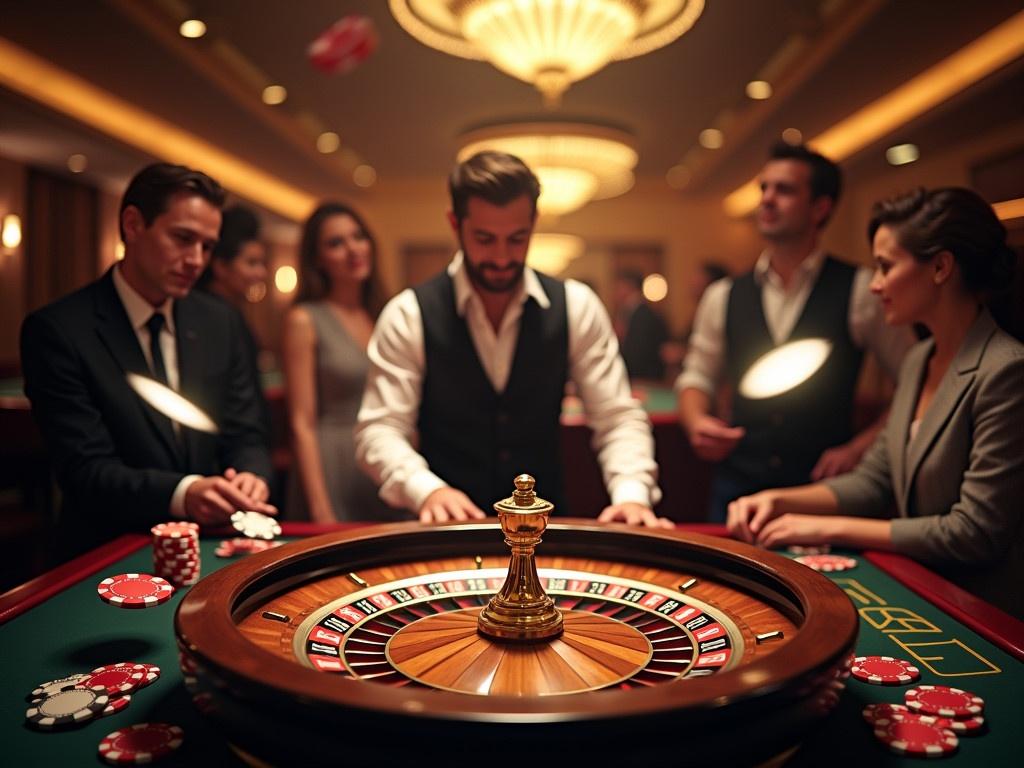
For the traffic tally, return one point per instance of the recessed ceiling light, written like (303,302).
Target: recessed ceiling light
(274,94)
(655,287)
(364,176)
(792,136)
(759,89)
(901,154)
(328,142)
(77,163)
(286,278)
(192,29)
(711,138)
(678,176)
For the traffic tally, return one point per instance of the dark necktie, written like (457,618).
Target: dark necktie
(155,324)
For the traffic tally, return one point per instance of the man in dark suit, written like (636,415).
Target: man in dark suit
(640,329)
(121,464)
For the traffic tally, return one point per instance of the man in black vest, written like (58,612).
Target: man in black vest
(121,464)
(795,291)
(474,362)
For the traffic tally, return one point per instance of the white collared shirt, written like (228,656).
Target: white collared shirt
(139,311)
(704,367)
(386,426)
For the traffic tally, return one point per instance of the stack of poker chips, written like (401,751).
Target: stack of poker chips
(176,552)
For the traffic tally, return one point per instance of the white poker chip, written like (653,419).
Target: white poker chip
(255,525)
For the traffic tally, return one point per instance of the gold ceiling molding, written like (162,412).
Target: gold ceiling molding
(1010,209)
(575,162)
(549,43)
(976,60)
(64,92)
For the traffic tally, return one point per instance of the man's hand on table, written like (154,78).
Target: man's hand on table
(632,513)
(212,500)
(448,504)
(712,439)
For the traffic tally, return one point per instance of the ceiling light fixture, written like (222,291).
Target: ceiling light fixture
(328,142)
(575,162)
(77,163)
(902,154)
(364,176)
(711,138)
(551,253)
(549,43)
(792,136)
(192,29)
(759,90)
(274,95)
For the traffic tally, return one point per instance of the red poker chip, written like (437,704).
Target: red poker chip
(140,743)
(117,679)
(135,590)
(175,529)
(344,45)
(827,563)
(910,735)
(970,726)
(944,701)
(152,672)
(884,711)
(884,670)
(116,705)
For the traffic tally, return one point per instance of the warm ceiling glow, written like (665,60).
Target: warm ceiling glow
(976,60)
(68,94)
(678,176)
(759,89)
(711,138)
(575,163)
(10,234)
(192,29)
(551,253)
(274,95)
(549,43)
(77,163)
(172,405)
(784,368)
(792,136)
(364,176)
(1009,209)
(901,154)
(655,287)
(285,279)
(328,142)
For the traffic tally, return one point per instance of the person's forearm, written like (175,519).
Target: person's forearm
(815,499)
(309,464)
(860,533)
(693,403)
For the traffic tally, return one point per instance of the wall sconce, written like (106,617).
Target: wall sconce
(10,234)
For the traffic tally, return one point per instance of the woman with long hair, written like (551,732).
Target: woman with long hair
(951,459)
(326,334)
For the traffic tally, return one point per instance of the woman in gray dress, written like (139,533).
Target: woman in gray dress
(324,353)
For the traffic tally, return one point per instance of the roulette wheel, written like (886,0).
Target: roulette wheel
(369,645)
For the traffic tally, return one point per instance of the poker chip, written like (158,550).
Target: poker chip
(178,529)
(117,679)
(70,707)
(176,552)
(911,735)
(884,670)
(135,590)
(970,726)
(140,743)
(43,690)
(943,701)
(232,547)
(255,525)
(116,705)
(820,549)
(827,563)
(884,711)
(152,673)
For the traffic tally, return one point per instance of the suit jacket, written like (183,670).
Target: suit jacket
(958,485)
(641,345)
(117,460)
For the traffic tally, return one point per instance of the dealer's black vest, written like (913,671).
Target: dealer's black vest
(786,434)
(474,438)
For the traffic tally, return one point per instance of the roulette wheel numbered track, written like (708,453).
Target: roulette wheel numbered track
(266,694)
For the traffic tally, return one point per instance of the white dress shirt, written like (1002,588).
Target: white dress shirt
(139,311)
(386,426)
(704,366)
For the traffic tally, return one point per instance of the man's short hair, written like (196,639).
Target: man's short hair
(496,177)
(153,186)
(826,178)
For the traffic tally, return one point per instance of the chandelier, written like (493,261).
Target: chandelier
(575,162)
(549,43)
(551,252)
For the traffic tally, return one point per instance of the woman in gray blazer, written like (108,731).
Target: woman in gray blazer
(944,481)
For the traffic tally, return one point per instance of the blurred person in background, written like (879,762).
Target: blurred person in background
(640,329)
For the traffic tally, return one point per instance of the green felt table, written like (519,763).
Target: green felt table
(57,625)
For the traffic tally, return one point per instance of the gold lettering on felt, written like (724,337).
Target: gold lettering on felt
(896,620)
(948,658)
(858,592)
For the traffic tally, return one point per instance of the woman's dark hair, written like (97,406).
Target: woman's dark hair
(954,219)
(238,226)
(314,283)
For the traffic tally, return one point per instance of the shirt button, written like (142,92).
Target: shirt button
(774,462)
